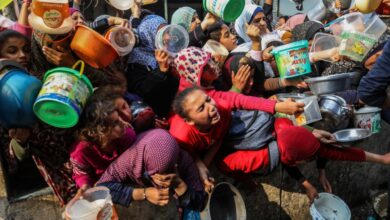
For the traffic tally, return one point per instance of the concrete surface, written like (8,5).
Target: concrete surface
(353,182)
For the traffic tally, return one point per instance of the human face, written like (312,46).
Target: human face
(18,50)
(370,62)
(228,39)
(259,21)
(117,126)
(123,109)
(201,110)
(195,22)
(78,18)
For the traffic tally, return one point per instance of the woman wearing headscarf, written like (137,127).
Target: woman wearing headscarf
(155,169)
(198,30)
(148,72)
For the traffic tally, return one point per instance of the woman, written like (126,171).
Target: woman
(16,47)
(154,169)
(148,71)
(202,123)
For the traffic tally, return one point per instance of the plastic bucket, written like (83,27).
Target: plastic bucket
(329,206)
(95,201)
(292,59)
(356,45)
(368,118)
(172,39)
(225,202)
(227,10)
(63,96)
(122,39)
(18,91)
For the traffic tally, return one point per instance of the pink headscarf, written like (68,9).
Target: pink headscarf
(73,10)
(295,20)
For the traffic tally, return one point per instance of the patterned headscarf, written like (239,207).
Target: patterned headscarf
(189,64)
(144,53)
(183,16)
(245,18)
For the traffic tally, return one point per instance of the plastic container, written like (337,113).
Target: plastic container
(122,39)
(325,47)
(357,22)
(51,16)
(318,12)
(172,39)
(329,206)
(368,118)
(95,201)
(18,91)
(217,50)
(63,96)
(311,112)
(4,4)
(356,45)
(122,4)
(227,10)
(225,202)
(292,59)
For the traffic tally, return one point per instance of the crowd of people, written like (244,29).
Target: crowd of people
(155,123)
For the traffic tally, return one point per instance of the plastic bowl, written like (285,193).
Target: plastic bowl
(122,5)
(329,206)
(90,46)
(122,39)
(172,39)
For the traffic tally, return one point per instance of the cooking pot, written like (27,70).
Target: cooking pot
(92,47)
(330,84)
(335,113)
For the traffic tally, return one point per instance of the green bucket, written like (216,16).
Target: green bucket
(63,96)
(227,10)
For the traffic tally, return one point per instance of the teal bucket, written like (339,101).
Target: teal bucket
(227,10)
(292,59)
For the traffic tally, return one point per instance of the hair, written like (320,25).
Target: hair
(95,126)
(275,43)
(215,31)
(7,34)
(246,61)
(178,102)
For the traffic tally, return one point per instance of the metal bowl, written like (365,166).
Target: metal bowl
(350,136)
(330,84)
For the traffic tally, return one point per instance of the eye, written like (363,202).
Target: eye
(12,50)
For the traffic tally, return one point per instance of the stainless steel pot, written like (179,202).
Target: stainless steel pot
(335,112)
(330,84)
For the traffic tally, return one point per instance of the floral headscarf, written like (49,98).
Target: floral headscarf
(183,17)
(144,53)
(189,64)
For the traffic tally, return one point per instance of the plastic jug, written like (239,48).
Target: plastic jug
(51,16)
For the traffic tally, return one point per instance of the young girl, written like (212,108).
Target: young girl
(201,124)
(16,47)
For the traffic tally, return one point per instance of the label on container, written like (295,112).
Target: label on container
(356,45)
(370,121)
(293,62)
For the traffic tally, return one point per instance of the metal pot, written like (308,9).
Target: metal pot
(335,113)
(330,84)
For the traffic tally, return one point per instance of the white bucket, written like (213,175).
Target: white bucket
(329,206)
(95,201)
(368,118)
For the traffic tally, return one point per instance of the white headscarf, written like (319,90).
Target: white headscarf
(243,20)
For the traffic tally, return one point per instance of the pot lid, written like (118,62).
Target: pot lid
(368,109)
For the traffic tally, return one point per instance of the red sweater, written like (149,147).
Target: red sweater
(194,141)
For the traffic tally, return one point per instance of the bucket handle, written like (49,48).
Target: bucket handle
(81,64)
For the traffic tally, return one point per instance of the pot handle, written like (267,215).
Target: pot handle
(82,65)
(346,110)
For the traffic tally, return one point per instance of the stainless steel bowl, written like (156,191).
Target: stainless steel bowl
(350,136)
(295,96)
(335,112)
(330,84)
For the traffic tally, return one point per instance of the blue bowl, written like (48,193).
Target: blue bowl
(18,91)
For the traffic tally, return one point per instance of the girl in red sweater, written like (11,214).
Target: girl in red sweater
(201,125)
